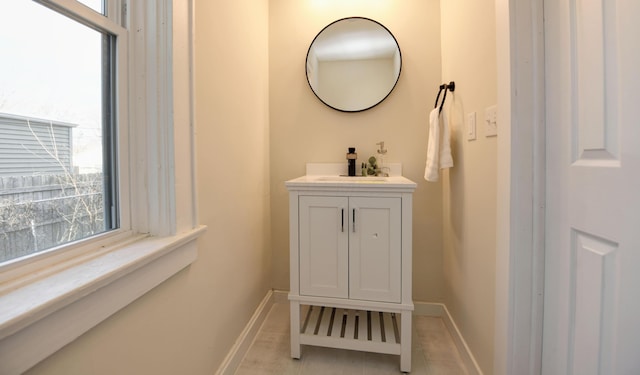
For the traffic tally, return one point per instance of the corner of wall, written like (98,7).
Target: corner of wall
(469,189)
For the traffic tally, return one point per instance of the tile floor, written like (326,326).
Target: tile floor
(433,352)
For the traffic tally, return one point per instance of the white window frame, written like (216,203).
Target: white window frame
(74,10)
(47,300)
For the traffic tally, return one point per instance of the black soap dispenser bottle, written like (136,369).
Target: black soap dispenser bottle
(351,159)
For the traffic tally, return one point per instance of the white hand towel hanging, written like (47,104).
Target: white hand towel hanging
(438,148)
(446,161)
(433,152)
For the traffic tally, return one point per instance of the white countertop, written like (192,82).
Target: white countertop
(332,176)
(350,183)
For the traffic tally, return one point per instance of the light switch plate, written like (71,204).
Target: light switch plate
(471,126)
(491,121)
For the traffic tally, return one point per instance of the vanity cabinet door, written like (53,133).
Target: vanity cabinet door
(324,241)
(375,249)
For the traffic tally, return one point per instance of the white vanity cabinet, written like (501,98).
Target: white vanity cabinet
(350,247)
(350,264)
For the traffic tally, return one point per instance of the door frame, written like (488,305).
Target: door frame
(521,187)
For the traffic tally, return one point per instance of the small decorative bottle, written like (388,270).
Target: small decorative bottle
(351,159)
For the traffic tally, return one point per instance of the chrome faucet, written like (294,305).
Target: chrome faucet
(382,150)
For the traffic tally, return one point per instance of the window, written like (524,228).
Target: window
(79,284)
(58,126)
(97,5)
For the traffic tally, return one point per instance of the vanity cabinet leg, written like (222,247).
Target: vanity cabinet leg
(295,329)
(405,341)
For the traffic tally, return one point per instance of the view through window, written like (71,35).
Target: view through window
(56,131)
(96,5)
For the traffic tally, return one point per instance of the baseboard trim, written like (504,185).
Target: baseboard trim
(440,310)
(280,296)
(429,309)
(243,343)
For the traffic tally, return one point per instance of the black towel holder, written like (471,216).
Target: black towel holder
(451,86)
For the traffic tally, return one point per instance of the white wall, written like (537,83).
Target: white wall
(469,191)
(304,130)
(188,324)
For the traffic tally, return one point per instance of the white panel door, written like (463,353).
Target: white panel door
(592,258)
(375,249)
(324,246)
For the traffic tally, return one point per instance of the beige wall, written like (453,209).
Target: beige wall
(258,121)
(305,130)
(188,324)
(469,207)
(348,83)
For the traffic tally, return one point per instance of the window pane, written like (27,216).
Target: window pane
(97,5)
(54,112)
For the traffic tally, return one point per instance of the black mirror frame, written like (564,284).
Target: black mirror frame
(381,100)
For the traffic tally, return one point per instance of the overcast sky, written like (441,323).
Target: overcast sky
(50,67)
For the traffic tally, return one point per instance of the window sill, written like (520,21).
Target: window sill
(83,295)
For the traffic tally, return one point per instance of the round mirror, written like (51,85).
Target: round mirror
(353,64)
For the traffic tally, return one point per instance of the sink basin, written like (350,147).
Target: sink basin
(332,177)
(337,181)
(352,178)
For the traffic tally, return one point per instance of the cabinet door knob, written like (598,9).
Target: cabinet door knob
(342,217)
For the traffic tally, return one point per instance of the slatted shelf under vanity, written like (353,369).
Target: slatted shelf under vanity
(371,331)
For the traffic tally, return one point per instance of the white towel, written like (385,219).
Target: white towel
(446,161)
(438,150)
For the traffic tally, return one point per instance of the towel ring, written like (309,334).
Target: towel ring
(444,87)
